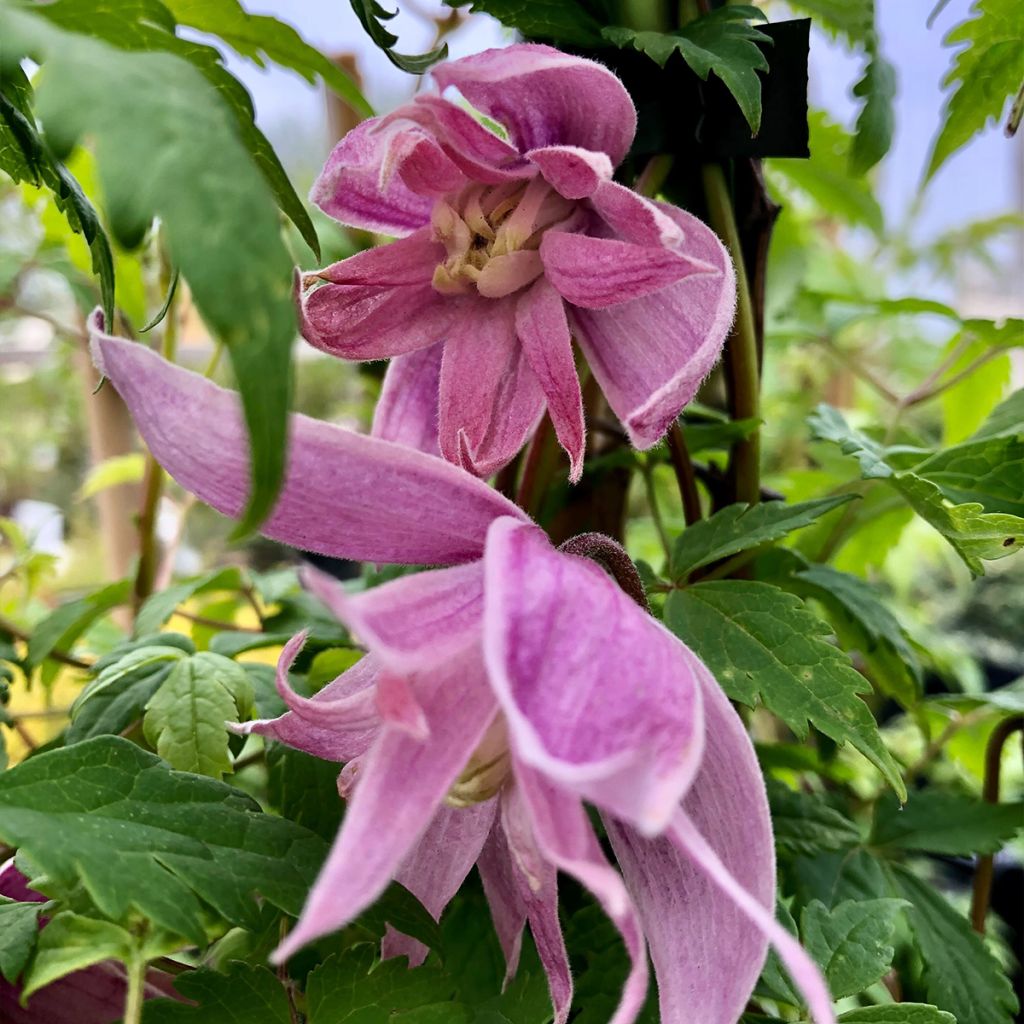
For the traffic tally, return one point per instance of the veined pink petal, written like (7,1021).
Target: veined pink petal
(407,411)
(573,172)
(438,865)
(337,724)
(618,724)
(491,400)
(599,272)
(401,785)
(521,885)
(344,494)
(650,355)
(633,217)
(350,187)
(408,261)
(543,331)
(544,97)
(707,955)
(414,622)
(566,838)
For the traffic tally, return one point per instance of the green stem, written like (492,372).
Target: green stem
(647,471)
(136,993)
(740,359)
(686,479)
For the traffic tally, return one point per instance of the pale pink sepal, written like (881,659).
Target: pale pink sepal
(573,172)
(407,410)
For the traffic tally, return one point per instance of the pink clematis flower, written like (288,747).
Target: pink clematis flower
(508,250)
(498,695)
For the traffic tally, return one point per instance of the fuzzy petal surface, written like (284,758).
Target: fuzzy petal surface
(707,954)
(651,354)
(491,400)
(543,331)
(407,410)
(634,218)
(619,724)
(402,782)
(379,502)
(544,97)
(573,172)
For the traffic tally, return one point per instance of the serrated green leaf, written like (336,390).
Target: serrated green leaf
(244,994)
(851,942)
(986,74)
(988,472)
(862,622)
(371,16)
(399,908)
(762,643)
(775,983)
(1005,418)
(153,841)
(807,824)
(304,789)
(718,436)
(966,403)
(944,821)
(260,37)
(186,717)
(722,42)
(741,527)
(897,1013)
(159,607)
(876,121)
(222,232)
(19,928)
(961,975)
(568,22)
(232,643)
(118,695)
(851,20)
(350,989)
(974,534)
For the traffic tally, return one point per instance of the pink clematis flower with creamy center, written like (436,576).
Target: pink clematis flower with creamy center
(499,694)
(509,248)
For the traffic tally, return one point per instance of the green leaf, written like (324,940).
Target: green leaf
(119,693)
(159,607)
(19,928)
(568,22)
(1005,418)
(876,121)
(153,841)
(63,626)
(185,718)
(245,994)
(304,789)
(371,15)
(775,983)
(222,232)
(944,821)
(232,643)
(349,989)
(988,472)
(259,38)
(897,1013)
(807,824)
(985,75)
(118,469)
(762,643)
(741,527)
(862,622)
(973,533)
(722,42)
(399,908)
(25,156)
(851,20)
(960,973)
(850,942)
(719,436)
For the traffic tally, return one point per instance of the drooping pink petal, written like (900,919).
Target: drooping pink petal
(402,782)
(378,501)
(337,724)
(407,410)
(650,355)
(543,331)
(414,622)
(573,172)
(566,838)
(358,188)
(397,705)
(707,955)
(599,272)
(407,261)
(544,97)
(521,885)
(633,217)
(491,400)
(619,724)
(438,865)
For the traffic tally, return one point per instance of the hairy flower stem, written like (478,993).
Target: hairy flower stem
(985,868)
(153,479)
(740,359)
(612,557)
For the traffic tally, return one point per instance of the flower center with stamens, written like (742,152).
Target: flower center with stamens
(486,771)
(492,234)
